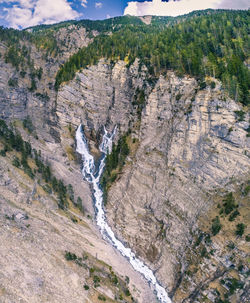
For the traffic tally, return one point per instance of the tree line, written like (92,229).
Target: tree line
(12,140)
(215,44)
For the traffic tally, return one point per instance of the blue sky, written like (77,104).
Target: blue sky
(24,13)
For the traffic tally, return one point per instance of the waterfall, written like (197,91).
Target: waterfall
(93,175)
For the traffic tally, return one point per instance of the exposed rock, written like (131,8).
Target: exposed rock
(190,145)
(186,152)
(100,96)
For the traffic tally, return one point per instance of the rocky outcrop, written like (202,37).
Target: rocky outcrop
(73,37)
(18,101)
(191,144)
(35,236)
(100,96)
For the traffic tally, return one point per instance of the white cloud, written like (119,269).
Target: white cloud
(234,4)
(84,3)
(98,5)
(108,16)
(25,13)
(23,3)
(179,7)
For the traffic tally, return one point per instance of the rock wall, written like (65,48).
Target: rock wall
(190,145)
(18,101)
(100,96)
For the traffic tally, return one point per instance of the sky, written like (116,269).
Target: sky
(25,13)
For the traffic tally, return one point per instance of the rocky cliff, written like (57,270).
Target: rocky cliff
(187,146)
(188,150)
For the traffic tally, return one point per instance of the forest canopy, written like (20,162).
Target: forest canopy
(215,43)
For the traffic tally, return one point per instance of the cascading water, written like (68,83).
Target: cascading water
(93,177)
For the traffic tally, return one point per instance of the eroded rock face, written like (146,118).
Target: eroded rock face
(190,145)
(35,237)
(19,101)
(100,96)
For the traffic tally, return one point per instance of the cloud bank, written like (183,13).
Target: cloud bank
(180,7)
(98,5)
(25,13)
(84,3)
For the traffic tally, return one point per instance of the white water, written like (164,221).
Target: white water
(92,176)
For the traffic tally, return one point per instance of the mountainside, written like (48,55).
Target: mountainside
(176,184)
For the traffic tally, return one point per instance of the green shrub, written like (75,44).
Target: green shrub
(86,287)
(178,97)
(204,252)
(13,82)
(231,245)
(240,229)
(92,270)
(70,256)
(28,171)
(233,285)
(246,190)
(203,85)
(240,115)
(216,226)
(16,162)
(127,292)
(70,192)
(233,215)
(27,123)
(115,280)
(212,85)
(101,298)
(47,189)
(62,202)
(33,86)
(80,205)
(22,73)
(96,279)
(3,153)
(229,203)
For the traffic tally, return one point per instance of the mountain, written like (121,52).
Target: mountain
(176,184)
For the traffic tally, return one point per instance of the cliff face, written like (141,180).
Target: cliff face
(18,101)
(186,146)
(35,233)
(100,96)
(190,146)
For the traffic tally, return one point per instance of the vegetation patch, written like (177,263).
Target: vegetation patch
(216,226)
(240,115)
(100,274)
(12,140)
(207,45)
(114,163)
